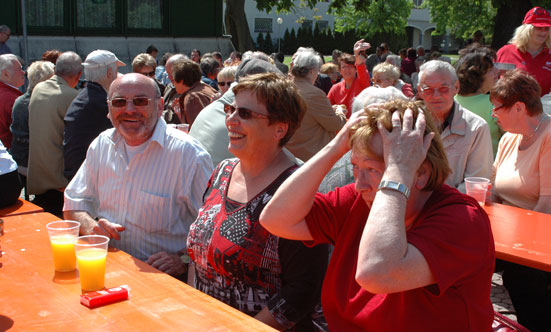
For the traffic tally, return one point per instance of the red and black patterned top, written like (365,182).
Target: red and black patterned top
(240,263)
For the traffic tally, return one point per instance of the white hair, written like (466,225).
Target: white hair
(434,66)
(99,74)
(394,59)
(304,61)
(6,61)
(375,95)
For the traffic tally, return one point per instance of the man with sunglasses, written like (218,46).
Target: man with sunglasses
(142,182)
(86,117)
(465,135)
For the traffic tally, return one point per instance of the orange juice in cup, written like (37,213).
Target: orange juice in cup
(62,234)
(91,252)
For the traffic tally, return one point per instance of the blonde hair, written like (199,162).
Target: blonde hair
(329,68)
(522,36)
(361,134)
(388,70)
(227,72)
(39,71)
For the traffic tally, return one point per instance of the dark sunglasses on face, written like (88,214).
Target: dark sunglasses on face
(149,73)
(244,113)
(224,83)
(137,101)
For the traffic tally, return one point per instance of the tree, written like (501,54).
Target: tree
(496,18)
(371,17)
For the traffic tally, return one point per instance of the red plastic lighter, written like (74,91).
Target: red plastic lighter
(105,296)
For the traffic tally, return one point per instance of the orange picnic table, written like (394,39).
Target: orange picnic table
(521,236)
(34,298)
(20,207)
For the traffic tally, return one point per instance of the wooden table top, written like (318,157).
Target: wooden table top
(21,207)
(34,298)
(521,236)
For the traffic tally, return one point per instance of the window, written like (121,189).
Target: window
(322,25)
(307,24)
(96,14)
(44,13)
(145,14)
(262,25)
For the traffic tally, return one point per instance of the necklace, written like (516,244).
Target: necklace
(537,127)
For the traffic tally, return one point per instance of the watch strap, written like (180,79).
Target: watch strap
(396,186)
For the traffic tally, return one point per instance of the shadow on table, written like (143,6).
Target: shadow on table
(66,278)
(9,209)
(5,323)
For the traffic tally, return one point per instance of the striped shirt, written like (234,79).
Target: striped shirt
(156,195)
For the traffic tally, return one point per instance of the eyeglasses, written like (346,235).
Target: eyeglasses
(497,108)
(430,91)
(224,83)
(137,101)
(149,73)
(244,113)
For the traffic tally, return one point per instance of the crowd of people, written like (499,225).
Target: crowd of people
(315,196)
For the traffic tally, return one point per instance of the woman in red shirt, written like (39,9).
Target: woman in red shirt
(529,49)
(355,78)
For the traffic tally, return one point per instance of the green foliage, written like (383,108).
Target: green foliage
(462,17)
(268,44)
(371,17)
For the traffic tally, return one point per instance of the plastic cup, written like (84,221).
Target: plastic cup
(477,187)
(183,127)
(91,252)
(62,234)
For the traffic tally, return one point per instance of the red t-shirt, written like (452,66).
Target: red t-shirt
(539,67)
(453,233)
(340,95)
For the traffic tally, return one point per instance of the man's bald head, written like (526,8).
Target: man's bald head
(138,79)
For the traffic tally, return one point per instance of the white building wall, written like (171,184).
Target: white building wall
(419,19)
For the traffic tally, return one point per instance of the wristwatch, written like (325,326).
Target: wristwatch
(394,185)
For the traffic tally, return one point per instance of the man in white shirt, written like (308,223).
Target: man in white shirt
(142,182)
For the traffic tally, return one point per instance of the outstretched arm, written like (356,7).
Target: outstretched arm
(284,215)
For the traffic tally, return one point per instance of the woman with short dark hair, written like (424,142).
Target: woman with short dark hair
(477,75)
(237,261)
(521,178)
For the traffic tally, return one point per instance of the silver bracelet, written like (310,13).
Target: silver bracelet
(394,185)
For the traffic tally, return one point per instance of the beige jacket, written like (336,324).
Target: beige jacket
(468,146)
(319,125)
(49,103)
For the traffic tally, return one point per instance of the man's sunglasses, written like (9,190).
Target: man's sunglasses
(137,101)
(224,83)
(244,113)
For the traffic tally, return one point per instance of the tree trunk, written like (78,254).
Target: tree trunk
(510,14)
(236,25)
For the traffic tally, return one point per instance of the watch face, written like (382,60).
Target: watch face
(185,259)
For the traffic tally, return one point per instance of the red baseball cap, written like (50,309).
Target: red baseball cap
(538,17)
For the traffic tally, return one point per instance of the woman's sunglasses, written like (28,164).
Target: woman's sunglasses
(244,113)
(224,83)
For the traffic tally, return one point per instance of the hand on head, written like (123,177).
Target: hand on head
(405,147)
